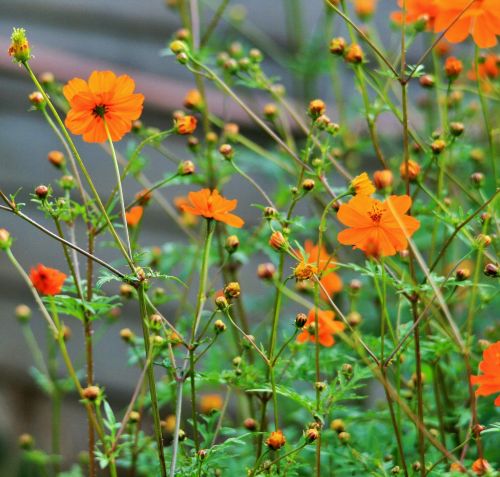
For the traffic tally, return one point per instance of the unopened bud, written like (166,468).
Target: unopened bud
(42,191)
(265,271)
(91,393)
(219,326)
(232,290)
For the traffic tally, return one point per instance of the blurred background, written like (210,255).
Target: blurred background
(71,38)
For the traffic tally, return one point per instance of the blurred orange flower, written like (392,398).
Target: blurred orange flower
(488,68)
(416,10)
(210,403)
(134,215)
(489,381)
(47,281)
(105,97)
(211,205)
(186,217)
(329,279)
(327,327)
(481,20)
(374,226)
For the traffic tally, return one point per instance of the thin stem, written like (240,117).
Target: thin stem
(151,380)
(120,189)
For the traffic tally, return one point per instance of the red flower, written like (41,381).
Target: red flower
(47,281)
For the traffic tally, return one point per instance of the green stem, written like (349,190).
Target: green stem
(151,380)
(120,189)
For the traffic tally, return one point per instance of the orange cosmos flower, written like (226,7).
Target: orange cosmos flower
(211,205)
(134,215)
(365,8)
(105,97)
(331,282)
(276,440)
(362,185)
(488,68)
(186,218)
(489,381)
(47,281)
(416,10)
(327,327)
(375,226)
(481,20)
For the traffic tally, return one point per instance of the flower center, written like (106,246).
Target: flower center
(376,214)
(100,110)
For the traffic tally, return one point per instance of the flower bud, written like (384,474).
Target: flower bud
(193,100)
(316,108)
(300,320)
(311,435)
(337,46)
(270,212)
(127,335)
(452,68)
(395,470)
(337,425)
(126,290)
(483,240)
(265,271)
(178,46)
(477,179)
(232,243)
(462,274)
(202,454)
(250,424)
(36,98)
(477,155)
(143,197)
(231,130)
(438,146)
(67,182)
(23,313)
(19,48)
(304,271)
(491,270)
(221,303)
(231,66)
(427,81)
(355,285)
(255,55)
(211,138)
(320,386)
(226,151)
(382,179)
(346,370)
(42,191)
(237,361)
(456,129)
(182,435)
(344,437)
(308,185)
(5,239)
(47,78)
(411,172)
(26,441)
(56,158)
(354,54)
(354,318)
(232,290)
(183,34)
(186,168)
(278,242)
(276,440)
(155,321)
(185,125)
(134,416)
(270,111)
(219,326)
(91,393)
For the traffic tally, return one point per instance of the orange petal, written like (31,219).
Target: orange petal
(102,81)
(230,219)
(73,87)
